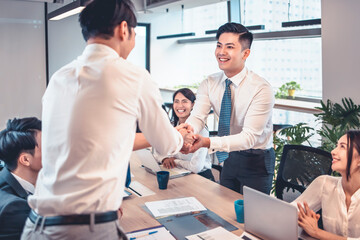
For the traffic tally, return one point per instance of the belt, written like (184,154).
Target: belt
(79,219)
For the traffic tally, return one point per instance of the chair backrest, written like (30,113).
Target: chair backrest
(299,166)
(277,127)
(168,108)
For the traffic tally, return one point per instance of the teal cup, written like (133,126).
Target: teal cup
(239,210)
(163,179)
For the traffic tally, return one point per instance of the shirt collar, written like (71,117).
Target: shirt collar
(356,195)
(29,188)
(94,47)
(238,78)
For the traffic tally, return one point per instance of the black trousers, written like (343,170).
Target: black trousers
(253,168)
(207,174)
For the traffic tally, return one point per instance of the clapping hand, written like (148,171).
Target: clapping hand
(308,220)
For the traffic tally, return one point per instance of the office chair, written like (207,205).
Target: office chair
(277,127)
(299,166)
(168,108)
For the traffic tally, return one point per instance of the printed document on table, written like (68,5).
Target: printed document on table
(174,206)
(218,233)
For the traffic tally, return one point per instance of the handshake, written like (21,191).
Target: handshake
(192,142)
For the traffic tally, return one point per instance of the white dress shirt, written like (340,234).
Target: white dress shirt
(90,110)
(29,188)
(326,193)
(196,162)
(252,100)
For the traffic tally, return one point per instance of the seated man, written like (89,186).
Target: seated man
(20,150)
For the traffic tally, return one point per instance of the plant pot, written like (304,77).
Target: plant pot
(291,93)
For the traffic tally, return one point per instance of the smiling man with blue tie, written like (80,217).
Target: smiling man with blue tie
(243,101)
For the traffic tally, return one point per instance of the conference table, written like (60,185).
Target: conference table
(212,195)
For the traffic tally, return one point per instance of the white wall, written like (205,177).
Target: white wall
(174,64)
(65,42)
(341,52)
(22,59)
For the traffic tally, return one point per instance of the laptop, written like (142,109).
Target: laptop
(151,165)
(269,218)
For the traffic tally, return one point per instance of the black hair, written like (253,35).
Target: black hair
(19,136)
(100,17)
(245,37)
(353,142)
(189,95)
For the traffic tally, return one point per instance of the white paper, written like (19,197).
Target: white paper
(140,189)
(161,234)
(218,233)
(174,206)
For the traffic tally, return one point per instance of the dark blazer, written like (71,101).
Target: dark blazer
(14,208)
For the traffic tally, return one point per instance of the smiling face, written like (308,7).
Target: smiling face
(182,107)
(230,55)
(339,155)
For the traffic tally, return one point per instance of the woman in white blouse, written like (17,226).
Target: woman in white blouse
(338,197)
(198,162)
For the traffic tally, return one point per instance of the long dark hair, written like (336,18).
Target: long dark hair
(189,95)
(353,141)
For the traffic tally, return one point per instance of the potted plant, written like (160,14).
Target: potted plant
(336,119)
(288,89)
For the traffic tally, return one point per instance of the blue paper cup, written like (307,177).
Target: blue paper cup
(163,179)
(239,210)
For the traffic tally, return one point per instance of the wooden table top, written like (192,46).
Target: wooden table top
(212,195)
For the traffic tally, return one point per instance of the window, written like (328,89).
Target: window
(272,13)
(140,54)
(282,60)
(176,65)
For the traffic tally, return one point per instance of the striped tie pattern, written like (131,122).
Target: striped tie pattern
(224,119)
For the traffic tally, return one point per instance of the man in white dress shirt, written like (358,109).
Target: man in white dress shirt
(251,159)
(90,110)
(20,150)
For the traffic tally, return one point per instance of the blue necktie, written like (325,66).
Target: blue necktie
(224,119)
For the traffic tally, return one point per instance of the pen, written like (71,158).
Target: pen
(200,237)
(135,191)
(144,235)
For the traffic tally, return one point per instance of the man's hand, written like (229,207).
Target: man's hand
(187,136)
(120,212)
(199,142)
(169,163)
(308,220)
(186,132)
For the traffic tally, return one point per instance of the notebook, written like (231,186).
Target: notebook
(151,165)
(266,217)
